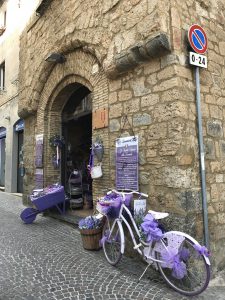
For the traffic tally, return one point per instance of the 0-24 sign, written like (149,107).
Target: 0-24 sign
(197,60)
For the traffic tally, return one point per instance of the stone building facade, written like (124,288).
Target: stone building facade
(132,56)
(13,18)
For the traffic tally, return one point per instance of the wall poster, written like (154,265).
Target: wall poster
(127,163)
(39,179)
(39,150)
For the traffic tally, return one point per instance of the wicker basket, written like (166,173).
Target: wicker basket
(91,238)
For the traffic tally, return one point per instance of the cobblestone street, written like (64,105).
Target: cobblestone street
(46,260)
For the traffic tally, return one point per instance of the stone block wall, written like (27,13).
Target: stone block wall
(153,85)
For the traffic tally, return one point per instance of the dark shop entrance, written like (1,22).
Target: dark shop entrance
(77,131)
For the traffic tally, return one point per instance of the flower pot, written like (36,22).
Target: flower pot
(91,238)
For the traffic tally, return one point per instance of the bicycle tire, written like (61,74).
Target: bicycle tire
(189,284)
(112,245)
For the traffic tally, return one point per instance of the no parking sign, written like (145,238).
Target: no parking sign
(198,39)
(199,43)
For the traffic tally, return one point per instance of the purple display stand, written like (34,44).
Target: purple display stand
(54,198)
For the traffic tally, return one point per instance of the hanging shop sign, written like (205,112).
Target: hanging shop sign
(39,150)
(19,126)
(127,163)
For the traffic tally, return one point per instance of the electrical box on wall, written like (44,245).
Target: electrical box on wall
(100,118)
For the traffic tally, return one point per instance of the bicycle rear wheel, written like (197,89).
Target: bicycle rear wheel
(197,275)
(112,245)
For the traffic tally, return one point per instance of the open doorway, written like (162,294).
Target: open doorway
(77,131)
(19,127)
(2,156)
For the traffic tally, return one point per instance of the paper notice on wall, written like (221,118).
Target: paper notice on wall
(39,179)
(139,207)
(39,150)
(127,163)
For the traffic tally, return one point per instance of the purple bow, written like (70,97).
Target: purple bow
(172,260)
(202,250)
(150,229)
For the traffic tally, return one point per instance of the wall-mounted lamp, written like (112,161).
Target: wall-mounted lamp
(56,58)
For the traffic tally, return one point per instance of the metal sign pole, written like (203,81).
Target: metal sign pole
(202,158)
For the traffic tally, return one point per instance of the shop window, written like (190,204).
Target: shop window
(2,76)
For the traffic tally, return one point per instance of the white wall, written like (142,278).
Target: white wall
(17,18)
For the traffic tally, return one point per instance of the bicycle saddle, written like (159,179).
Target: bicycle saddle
(158,215)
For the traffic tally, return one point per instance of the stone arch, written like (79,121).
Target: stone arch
(62,82)
(68,47)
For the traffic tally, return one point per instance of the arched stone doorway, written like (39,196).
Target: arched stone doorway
(68,114)
(77,133)
(78,72)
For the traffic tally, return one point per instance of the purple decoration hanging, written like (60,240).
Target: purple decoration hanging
(172,260)
(184,254)
(104,238)
(202,250)
(150,229)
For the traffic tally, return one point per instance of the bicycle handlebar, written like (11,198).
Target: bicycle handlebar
(127,193)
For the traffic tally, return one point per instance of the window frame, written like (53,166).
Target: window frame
(2,76)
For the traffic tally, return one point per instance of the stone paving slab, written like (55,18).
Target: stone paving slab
(46,260)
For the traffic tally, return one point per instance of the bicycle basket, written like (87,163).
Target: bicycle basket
(109,206)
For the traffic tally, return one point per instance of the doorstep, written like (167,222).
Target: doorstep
(71,216)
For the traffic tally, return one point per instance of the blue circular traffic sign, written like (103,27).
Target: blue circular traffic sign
(197,39)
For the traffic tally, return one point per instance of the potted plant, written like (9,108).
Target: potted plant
(91,232)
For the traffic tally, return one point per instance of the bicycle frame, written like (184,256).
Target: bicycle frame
(139,245)
(168,252)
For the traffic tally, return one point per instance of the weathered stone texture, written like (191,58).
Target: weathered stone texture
(156,93)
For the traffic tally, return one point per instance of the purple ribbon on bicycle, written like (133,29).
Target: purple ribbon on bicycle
(150,229)
(202,250)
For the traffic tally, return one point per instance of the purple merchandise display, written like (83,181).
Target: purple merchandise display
(28,215)
(51,196)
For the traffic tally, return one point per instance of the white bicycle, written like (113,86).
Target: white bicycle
(181,260)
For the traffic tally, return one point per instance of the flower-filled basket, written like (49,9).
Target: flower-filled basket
(91,232)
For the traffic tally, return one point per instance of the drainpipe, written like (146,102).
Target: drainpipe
(202,159)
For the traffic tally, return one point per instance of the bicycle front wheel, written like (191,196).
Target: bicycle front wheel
(112,243)
(196,275)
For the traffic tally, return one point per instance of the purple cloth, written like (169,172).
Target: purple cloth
(184,254)
(104,238)
(151,229)
(128,199)
(202,250)
(172,260)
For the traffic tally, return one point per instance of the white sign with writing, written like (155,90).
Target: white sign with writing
(198,60)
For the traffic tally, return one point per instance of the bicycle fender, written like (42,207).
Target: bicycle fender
(193,240)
